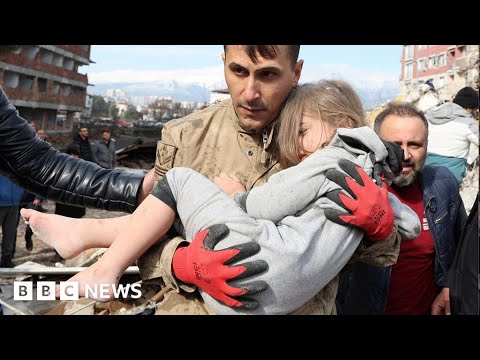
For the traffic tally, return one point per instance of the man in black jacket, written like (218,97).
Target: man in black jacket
(464,273)
(81,139)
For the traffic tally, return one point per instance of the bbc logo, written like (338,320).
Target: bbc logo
(69,290)
(23,290)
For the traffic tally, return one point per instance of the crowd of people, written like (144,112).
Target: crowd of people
(328,214)
(13,198)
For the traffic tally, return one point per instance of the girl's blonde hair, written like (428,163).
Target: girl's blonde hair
(332,101)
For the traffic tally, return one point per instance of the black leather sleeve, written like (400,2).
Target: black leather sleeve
(39,168)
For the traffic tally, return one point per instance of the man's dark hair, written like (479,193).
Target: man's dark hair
(105,130)
(269,52)
(73,149)
(401,110)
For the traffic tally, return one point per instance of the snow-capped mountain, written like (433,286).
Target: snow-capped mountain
(371,95)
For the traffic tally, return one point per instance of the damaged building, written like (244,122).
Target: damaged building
(44,83)
(446,68)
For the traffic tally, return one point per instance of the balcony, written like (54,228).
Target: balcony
(465,62)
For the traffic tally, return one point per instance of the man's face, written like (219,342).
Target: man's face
(259,90)
(41,134)
(83,133)
(411,134)
(106,136)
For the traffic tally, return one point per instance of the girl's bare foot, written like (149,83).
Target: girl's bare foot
(59,232)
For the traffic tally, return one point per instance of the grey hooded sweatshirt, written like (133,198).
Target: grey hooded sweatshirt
(286,217)
(451,131)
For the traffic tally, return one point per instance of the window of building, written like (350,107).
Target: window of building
(30,51)
(67,63)
(66,89)
(11,79)
(57,60)
(46,56)
(422,64)
(432,62)
(408,71)
(408,52)
(61,120)
(441,60)
(56,88)
(42,85)
(25,82)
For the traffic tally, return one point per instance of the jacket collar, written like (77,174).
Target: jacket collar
(265,137)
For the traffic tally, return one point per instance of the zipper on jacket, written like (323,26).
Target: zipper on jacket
(444,215)
(435,246)
(263,156)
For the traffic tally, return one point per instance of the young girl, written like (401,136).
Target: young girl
(320,124)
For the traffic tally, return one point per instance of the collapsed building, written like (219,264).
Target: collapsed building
(444,68)
(45,84)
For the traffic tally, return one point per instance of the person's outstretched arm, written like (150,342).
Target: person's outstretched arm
(39,168)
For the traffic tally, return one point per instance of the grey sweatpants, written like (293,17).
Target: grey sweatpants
(199,203)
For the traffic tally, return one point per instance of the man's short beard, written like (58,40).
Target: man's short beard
(407,180)
(404,181)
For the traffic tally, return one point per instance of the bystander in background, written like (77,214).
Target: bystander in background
(10,196)
(453,133)
(103,151)
(81,139)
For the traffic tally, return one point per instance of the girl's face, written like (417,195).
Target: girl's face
(314,134)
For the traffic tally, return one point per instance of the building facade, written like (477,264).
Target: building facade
(448,67)
(44,83)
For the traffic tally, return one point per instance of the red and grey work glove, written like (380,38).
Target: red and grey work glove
(201,265)
(369,207)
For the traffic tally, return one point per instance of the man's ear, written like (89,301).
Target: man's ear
(298,70)
(223,58)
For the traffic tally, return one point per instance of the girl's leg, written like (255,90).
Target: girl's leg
(71,236)
(150,221)
(198,201)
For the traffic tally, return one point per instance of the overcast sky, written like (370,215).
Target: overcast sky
(366,65)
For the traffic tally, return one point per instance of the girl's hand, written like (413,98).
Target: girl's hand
(229,183)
